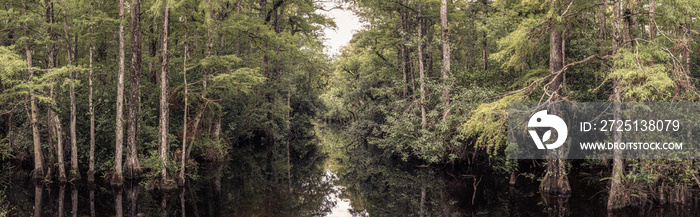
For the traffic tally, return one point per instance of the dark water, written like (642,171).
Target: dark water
(233,191)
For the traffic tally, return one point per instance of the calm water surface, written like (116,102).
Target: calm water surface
(319,192)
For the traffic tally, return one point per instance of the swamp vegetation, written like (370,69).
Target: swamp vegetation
(232,107)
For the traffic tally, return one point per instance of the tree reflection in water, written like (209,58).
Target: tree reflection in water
(233,188)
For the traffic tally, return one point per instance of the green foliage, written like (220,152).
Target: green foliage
(242,79)
(5,207)
(488,123)
(642,74)
(516,49)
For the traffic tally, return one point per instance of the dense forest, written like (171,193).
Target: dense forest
(236,101)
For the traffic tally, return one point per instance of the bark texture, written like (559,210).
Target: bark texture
(164,115)
(118,178)
(446,61)
(132,166)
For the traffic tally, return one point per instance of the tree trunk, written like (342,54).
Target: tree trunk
(404,52)
(38,172)
(688,39)
(184,117)
(163,123)
(289,132)
(555,181)
(117,178)
(421,72)
(617,198)
(484,46)
(445,58)
(91,170)
(132,167)
(75,172)
(627,26)
(55,126)
(421,208)
(652,22)
(53,122)
(601,27)
(210,47)
(616,26)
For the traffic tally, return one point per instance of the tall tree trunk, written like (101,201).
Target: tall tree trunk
(57,131)
(688,39)
(616,197)
(132,167)
(627,36)
(91,170)
(163,123)
(601,27)
(38,172)
(445,58)
(652,22)
(75,172)
(184,117)
(555,180)
(54,124)
(289,132)
(632,19)
(485,45)
(404,51)
(616,22)
(118,178)
(210,46)
(421,71)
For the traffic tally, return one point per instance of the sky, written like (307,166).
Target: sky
(347,23)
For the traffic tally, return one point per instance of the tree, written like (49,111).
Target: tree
(186,96)
(617,197)
(118,178)
(556,180)
(54,123)
(91,170)
(75,172)
(132,165)
(38,172)
(421,70)
(446,61)
(163,144)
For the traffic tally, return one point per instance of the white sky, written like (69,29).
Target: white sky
(347,23)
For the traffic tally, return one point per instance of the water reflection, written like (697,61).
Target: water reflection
(375,190)
(74,202)
(38,189)
(61,195)
(218,190)
(132,191)
(91,189)
(118,202)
